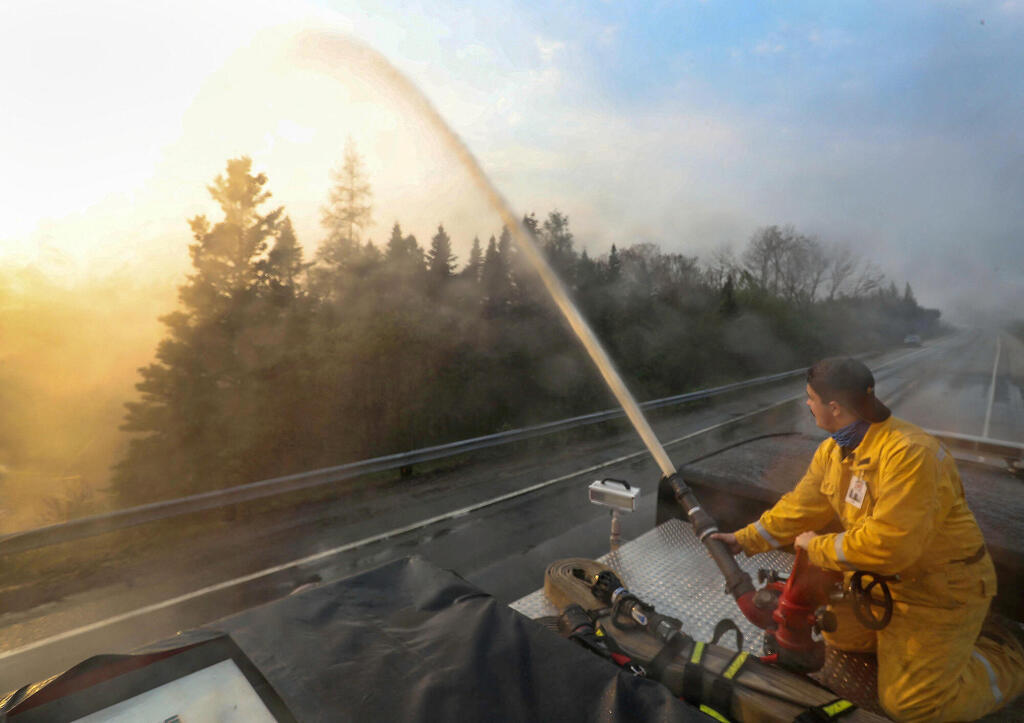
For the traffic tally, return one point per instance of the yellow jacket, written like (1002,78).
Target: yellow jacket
(900,502)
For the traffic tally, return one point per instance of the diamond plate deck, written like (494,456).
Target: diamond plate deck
(668,568)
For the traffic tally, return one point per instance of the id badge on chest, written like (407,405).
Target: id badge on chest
(856,491)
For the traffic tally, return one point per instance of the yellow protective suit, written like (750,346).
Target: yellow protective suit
(899,499)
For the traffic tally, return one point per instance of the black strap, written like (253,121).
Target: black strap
(693,676)
(613,646)
(721,695)
(722,686)
(693,683)
(591,642)
(667,654)
(827,712)
(725,626)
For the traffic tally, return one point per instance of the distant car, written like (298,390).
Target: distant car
(912,340)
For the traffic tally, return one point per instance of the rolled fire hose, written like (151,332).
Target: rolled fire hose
(765,693)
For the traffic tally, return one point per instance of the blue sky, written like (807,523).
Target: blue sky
(895,127)
(892,127)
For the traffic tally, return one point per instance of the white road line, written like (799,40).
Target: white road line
(992,388)
(352,545)
(98,625)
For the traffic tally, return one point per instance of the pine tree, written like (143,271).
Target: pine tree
(281,270)
(532,225)
(403,254)
(440,259)
(224,256)
(558,240)
(614,264)
(727,305)
(587,274)
(494,278)
(196,408)
(475,263)
(505,247)
(396,243)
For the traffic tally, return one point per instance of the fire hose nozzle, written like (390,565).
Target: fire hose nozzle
(703,523)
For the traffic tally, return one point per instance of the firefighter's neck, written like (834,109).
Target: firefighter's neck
(839,417)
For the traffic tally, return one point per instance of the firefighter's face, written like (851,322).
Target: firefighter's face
(824,413)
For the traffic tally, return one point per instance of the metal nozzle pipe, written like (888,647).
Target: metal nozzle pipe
(737,582)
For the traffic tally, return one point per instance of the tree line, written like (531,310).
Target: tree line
(274,364)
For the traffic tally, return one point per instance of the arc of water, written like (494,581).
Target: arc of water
(326,50)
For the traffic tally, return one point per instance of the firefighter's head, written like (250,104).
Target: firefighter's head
(840,391)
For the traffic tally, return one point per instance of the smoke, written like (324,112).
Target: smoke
(68,359)
(750,338)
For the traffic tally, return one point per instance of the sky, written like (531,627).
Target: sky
(895,128)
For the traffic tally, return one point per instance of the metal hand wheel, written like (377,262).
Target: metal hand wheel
(864,603)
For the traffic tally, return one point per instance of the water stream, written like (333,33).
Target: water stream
(341,56)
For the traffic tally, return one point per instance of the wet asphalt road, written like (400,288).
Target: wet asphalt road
(958,398)
(502,548)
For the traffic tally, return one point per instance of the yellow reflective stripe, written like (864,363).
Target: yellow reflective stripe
(834,709)
(714,714)
(698,652)
(734,666)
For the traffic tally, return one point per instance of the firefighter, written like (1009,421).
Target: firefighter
(897,494)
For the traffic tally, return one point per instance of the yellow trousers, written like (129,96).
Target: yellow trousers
(932,666)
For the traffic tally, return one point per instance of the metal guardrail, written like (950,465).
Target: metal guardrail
(1012,453)
(120,519)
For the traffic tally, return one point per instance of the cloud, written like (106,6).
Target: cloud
(608,35)
(769,47)
(546,80)
(476,52)
(548,48)
(898,134)
(828,38)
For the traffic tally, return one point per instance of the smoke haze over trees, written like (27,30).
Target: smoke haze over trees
(66,367)
(273,365)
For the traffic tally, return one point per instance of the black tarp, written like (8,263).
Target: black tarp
(411,642)
(404,642)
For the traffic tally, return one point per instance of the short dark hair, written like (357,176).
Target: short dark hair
(850,383)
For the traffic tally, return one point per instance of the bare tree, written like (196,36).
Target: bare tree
(763,257)
(802,264)
(786,263)
(868,281)
(722,265)
(817,267)
(842,265)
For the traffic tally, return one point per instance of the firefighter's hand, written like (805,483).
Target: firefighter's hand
(730,541)
(803,540)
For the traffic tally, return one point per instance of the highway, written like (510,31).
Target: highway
(977,391)
(467,514)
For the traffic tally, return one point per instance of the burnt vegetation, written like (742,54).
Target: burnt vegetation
(275,364)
